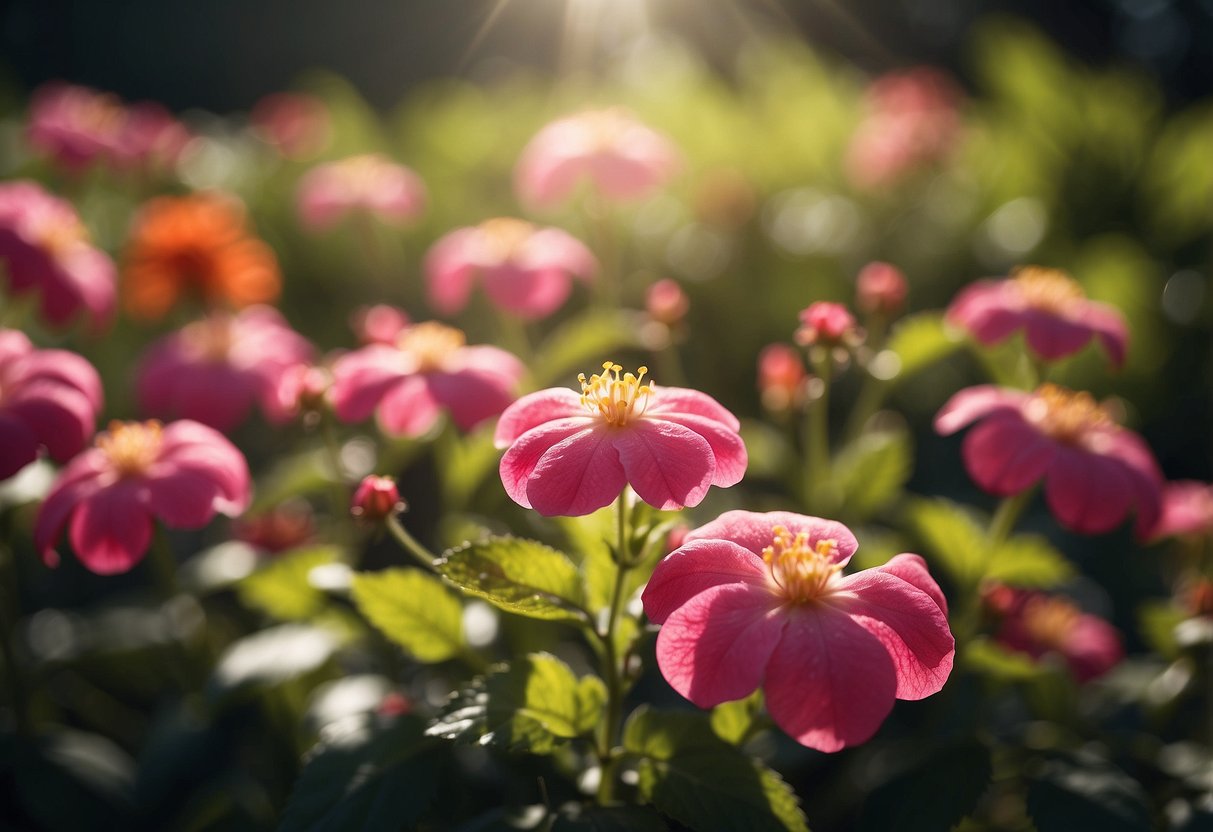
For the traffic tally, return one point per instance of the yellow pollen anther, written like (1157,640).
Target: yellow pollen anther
(802,571)
(503,236)
(1066,415)
(431,344)
(1049,289)
(1049,621)
(132,447)
(614,395)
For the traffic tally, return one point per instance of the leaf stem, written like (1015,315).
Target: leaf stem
(611,669)
(1005,517)
(422,555)
(817,466)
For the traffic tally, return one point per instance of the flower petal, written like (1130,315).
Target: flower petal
(694,567)
(1005,455)
(912,569)
(184,499)
(668,465)
(524,454)
(578,475)
(1109,326)
(80,479)
(408,407)
(472,395)
(18,445)
(972,403)
(830,683)
(671,400)
(449,269)
(362,378)
(754,531)
(908,622)
(533,410)
(1053,337)
(716,646)
(527,293)
(111,529)
(728,449)
(62,418)
(192,447)
(1088,493)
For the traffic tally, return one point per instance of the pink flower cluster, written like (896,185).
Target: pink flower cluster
(370,184)
(1039,625)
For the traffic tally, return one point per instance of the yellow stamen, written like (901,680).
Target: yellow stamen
(132,447)
(431,344)
(1048,289)
(1049,621)
(614,395)
(802,571)
(1066,415)
(503,236)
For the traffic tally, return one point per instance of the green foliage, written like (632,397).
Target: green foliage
(951,536)
(466,461)
(364,775)
(1156,621)
(703,782)
(1085,793)
(921,340)
(413,609)
(871,471)
(281,588)
(578,818)
(533,705)
(934,794)
(1028,561)
(732,721)
(580,344)
(519,576)
(993,660)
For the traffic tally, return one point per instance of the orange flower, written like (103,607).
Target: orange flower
(200,245)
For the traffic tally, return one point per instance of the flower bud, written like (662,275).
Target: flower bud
(881,289)
(666,302)
(379,324)
(828,324)
(376,499)
(782,380)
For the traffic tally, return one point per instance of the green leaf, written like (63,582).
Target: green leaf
(413,609)
(990,659)
(281,588)
(703,782)
(871,471)
(581,344)
(921,340)
(272,656)
(305,473)
(1030,561)
(954,776)
(1084,793)
(732,720)
(578,818)
(768,449)
(530,706)
(517,575)
(465,462)
(364,776)
(1157,620)
(592,536)
(951,537)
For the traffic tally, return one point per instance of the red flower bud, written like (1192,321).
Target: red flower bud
(881,289)
(376,499)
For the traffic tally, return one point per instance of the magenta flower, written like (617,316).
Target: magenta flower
(756,599)
(151,138)
(525,270)
(572,454)
(45,249)
(215,369)
(379,324)
(1187,509)
(826,323)
(370,184)
(376,499)
(1050,308)
(1094,470)
(1038,624)
(783,383)
(48,399)
(181,474)
(620,157)
(298,125)
(880,289)
(74,126)
(429,368)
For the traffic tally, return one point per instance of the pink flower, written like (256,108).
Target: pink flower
(1038,624)
(151,138)
(912,121)
(756,599)
(666,303)
(370,184)
(828,324)
(429,368)
(75,126)
(1187,509)
(181,474)
(782,380)
(215,369)
(1094,470)
(572,454)
(45,249)
(525,270)
(48,398)
(622,159)
(376,499)
(379,324)
(1050,308)
(286,526)
(881,289)
(296,124)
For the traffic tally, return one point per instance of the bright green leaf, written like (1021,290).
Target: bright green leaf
(517,575)
(921,340)
(281,588)
(581,344)
(732,720)
(990,659)
(465,461)
(530,706)
(1030,561)
(871,472)
(1157,620)
(952,539)
(413,609)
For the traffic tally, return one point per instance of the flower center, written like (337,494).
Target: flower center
(59,235)
(503,236)
(802,571)
(1066,415)
(1049,289)
(210,339)
(360,174)
(431,344)
(1049,621)
(614,395)
(131,447)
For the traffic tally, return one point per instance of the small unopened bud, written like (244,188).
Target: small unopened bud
(666,302)
(782,380)
(376,499)
(827,324)
(394,704)
(881,289)
(998,599)
(379,324)
(676,537)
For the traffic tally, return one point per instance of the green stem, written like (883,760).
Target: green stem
(1005,517)
(339,492)
(164,565)
(422,555)
(817,466)
(515,338)
(612,671)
